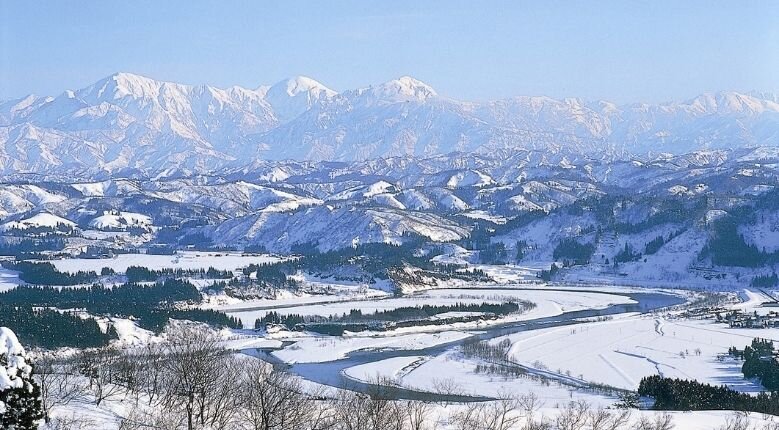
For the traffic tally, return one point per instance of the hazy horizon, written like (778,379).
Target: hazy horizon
(643,52)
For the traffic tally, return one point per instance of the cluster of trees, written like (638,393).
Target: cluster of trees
(727,247)
(157,319)
(48,328)
(41,230)
(765,281)
(494,253)
(682,395)
(29,248)
(497,353)
(548,275)
(191,382)
(45,273)
(670,210)
(480,236)
(521,248)
(101,299)
(655,244)
(151,305)
(571,251)
(270,275)
(442,272)
(376,259)
(426,311)
(627,254)
(144,274)
(356,321)
(759,362)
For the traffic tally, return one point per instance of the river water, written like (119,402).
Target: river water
(331,372)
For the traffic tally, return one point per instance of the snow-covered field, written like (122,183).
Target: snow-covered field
(616,352)
(620,352)
(452,373)
(548,303)
(328,348)
(182,260)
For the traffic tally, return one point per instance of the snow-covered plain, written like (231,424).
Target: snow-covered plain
(548,303)
(452,373)
(316,349)
(182,260)
(620,352)
(616,352)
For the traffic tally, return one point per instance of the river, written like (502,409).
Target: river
(331,372)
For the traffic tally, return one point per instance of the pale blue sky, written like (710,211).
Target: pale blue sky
(618,50)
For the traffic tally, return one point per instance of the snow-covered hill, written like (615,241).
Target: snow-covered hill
(656,216)
(40,220)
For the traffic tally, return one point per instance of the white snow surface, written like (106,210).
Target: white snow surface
(15,368)
(182,260)
(42,219)
(622,351)
(120,221)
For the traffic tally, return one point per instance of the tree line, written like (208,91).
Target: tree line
(760,363)
(152,306)
(49,328)
(144,274)
(683,395)
(44,273)
(408,316)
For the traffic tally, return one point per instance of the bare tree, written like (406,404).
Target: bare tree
(130,372)
(373,410)
(417,414)
(573,416)
(274,400)
(152,419)
(503,414)
(530,404)
(99,366)
(602,419)
(59,382)
(221,402)
(152,378)
(447,386)
(193,364)
(736,422)
(661,422)
(72,422)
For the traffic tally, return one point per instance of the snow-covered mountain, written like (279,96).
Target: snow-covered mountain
(659,218)
(127,123)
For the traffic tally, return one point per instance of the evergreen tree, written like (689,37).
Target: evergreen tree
(20,403)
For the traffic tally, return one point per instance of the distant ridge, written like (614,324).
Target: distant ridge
(130,122)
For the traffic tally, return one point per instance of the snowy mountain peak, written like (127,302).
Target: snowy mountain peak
(120,85)
(732,102)
(402,89)
(301,84)
(127,121)
(292,97)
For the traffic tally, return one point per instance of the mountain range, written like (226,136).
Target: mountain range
(126,124)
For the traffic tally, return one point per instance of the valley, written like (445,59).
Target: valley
(451,282)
